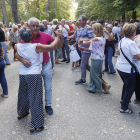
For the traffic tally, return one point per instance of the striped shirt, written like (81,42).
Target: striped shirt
(84,33)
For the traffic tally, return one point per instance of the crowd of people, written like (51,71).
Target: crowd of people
(35,41)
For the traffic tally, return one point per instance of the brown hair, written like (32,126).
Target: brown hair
(99,28)
(129,29)
(116,23)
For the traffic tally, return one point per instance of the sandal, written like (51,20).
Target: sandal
(129,111)
(39,129)
(19,117)
(5,96)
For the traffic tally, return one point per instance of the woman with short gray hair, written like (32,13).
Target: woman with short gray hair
(30,95)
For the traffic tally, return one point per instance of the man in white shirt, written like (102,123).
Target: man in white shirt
(65,29)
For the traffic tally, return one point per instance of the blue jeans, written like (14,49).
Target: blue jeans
(47,76)
(108,59)
(51,55)
(5,56)
(3,78)
(65,47)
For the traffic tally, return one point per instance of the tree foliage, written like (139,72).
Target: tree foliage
(107,9)
(38,8)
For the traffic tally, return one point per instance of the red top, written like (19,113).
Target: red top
(43,38)
(71,28)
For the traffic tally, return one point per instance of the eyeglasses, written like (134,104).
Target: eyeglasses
(33,26)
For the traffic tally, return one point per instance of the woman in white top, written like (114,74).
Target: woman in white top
(97,46)
(125,70)
(30,95)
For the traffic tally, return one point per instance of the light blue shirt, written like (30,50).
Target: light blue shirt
(48,30)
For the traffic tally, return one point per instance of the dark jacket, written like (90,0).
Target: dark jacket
(1,58)
(2,35)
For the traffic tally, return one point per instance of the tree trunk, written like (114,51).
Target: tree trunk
(15,11)
(134,15)
(38,9)
(5,14)
(123,17)
(48,10)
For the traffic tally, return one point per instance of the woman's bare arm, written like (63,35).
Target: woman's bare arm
(47,48)
(86,43)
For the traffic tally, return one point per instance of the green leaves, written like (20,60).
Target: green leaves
(107,9)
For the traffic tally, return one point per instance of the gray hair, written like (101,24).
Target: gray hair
(1,24)
(63,20)
(33,19)
(44,20)
(25,34)
(110,26)
(55,21)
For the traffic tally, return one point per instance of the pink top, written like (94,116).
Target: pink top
(44,39)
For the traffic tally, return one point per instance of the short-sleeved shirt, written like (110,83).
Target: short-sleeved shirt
(129,48)
(48,30)
(71,29)
(45,39)
(28,51)
(64,31)
(97,48)
(84,33)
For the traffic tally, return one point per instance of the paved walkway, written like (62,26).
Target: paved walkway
(78,114)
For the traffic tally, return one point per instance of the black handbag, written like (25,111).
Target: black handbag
(135,68)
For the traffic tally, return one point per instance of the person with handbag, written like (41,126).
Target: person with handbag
(129,55)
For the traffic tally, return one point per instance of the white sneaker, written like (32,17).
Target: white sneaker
(76,70)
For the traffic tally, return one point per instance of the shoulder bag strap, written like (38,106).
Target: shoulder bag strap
(135,68)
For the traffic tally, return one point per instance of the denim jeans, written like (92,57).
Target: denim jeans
(51,55)
(108,59)
(3,78)
(65,47)
(47,76)
(4,46)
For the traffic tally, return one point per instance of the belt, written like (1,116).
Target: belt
(46,62)
(73,50)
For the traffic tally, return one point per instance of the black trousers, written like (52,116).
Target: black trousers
(137,88)
(129,80)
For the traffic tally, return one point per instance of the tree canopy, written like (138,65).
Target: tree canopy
(109,9)
(60,9)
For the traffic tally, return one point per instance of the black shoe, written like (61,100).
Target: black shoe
(112,72)
(63,60)
(67,61)
(105,70)
(49,110)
